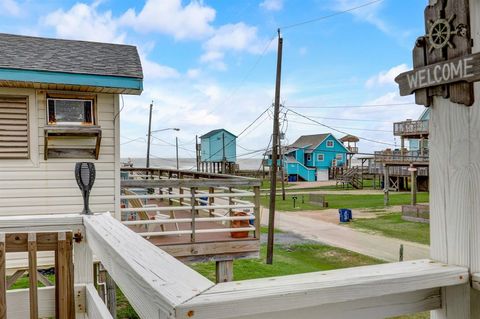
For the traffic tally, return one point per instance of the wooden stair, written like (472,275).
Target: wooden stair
(350,177)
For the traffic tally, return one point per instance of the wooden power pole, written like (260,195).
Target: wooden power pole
(149,135)
(275,139)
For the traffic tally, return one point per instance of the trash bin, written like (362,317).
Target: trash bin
(240,224)
(204,201)
(345,215)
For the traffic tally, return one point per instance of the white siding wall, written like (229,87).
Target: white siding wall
(36,186)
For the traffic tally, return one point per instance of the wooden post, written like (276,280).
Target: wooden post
(454,132)
(257,210)
(413,187)
(3,278)
(211,200)
(32,275)
(224,271)
(386,185)
(111,295)
(194,214)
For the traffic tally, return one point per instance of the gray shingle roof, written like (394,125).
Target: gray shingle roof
(310,141)
(81,57)
(213,132)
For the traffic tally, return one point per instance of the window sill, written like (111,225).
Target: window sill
(52,131)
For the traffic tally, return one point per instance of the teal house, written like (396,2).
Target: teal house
(311,157)
(218,146)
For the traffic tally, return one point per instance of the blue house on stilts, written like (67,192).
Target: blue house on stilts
(311,157)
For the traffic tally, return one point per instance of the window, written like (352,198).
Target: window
(70,112)
(14,141)
(320,157)
(339,157)
(329,143)
(309,157)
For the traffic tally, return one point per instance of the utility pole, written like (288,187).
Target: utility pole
(224,159)
(282,165)
(176,151)
(197,152)
(273,172)
(149,135)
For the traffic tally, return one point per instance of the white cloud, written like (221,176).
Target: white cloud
(385,78)
(238,37)
(9,7)
(368,13)
(84,22)
(193,73)
(272,5)
(153,70)
(170,17)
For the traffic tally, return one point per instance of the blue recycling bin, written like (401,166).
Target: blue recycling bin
(345,215)
(202,203)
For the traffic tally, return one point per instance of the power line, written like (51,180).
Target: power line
(329,15)
(345,119)
(337,130)
(348,106)
(173,145)
(346,127)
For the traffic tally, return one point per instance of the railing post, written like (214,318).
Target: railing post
(230,203)
(194,213)
(211,200)
(32,275)
(3,278)
(257,210)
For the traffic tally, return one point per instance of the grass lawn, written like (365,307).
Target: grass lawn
(289,260)
(343,201)
(392,225)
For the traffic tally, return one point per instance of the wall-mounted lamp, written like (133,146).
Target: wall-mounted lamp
(85,175)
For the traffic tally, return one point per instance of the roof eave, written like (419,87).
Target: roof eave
(38,79)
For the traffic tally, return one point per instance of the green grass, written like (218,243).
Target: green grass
(392,225)
(23,282)
(289,260)
(344,201)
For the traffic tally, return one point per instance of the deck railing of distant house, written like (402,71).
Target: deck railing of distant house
(230,204)
(407,128)
(379,168)
(403,156)
(159,286)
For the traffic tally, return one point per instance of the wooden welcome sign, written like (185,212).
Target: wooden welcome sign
(442,59)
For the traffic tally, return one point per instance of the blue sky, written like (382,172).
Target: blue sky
(211,64)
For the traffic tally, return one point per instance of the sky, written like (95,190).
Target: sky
(211,64)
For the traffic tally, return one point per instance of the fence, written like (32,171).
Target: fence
(219,202)
(159,286)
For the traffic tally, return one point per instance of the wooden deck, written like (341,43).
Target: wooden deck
(207,246)
(202,208)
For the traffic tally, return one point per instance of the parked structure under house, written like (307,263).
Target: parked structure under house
(312,157)
(393,165)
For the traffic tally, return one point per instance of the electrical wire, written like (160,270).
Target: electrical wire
(346,127)
(293,25)
(337,130)
(347,106)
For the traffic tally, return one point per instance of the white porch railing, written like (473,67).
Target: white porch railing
(159,286)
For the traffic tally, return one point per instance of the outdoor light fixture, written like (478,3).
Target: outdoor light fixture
(85,175)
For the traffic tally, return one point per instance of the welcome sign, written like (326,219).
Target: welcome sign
(464,69)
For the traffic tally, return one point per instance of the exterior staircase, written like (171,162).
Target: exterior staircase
(350,177)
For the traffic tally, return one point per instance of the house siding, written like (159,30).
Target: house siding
(38,186)
(329,153)
(214,151)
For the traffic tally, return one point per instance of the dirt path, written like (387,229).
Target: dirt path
(309,226)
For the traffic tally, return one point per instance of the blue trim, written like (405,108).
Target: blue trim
(71,79)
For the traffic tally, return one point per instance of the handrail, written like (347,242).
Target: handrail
(159,286)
